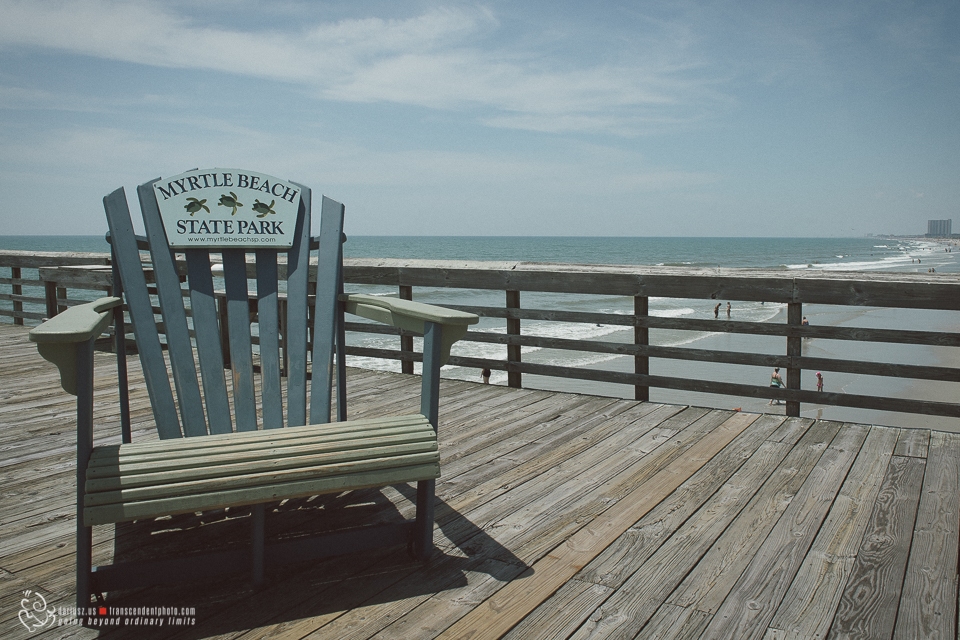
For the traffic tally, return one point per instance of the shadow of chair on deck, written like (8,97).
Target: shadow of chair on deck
(320,590)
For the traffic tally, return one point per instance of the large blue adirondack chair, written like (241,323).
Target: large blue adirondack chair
(220,438)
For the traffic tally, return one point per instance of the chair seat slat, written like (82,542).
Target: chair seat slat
(240,496)
(111,453)
(186,460)
(253,472)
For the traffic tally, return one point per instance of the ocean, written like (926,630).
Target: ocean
(830,254)
(867,254)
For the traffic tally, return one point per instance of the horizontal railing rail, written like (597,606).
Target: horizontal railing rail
(938,292)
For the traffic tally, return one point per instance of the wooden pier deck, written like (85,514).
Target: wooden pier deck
(559,516)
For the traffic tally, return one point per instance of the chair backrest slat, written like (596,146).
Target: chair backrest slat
(170,296)
(221,320)
(241,347)
(325,321)
(298,275)
(203,305)
(268,325)
(124,243)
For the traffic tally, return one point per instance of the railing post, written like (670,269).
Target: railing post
(513,350)
(406,342)
(284,338)
(794,318)
(224,335)
(17,291)
(641,337)
(61,295)
(50,294)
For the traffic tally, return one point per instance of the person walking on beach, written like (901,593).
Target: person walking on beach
(485,375)
(728,309)
(776,382)
(819,381)
(716,311)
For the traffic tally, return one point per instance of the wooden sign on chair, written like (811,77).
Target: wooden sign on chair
(228,208)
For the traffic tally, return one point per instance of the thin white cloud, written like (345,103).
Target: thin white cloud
(441,59)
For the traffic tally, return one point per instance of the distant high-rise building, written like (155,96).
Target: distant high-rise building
(939,227)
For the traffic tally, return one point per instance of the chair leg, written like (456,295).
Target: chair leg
(423,529)
(84,354)
(258,541)
(84,566)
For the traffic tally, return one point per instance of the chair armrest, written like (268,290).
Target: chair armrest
(411,316)
(76,324)
(58,337)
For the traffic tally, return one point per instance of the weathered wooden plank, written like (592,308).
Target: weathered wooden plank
(17,280)
(808,607)
(733,284)
(929,598)
(676,623)
(749,391)
(511,604)
(667,544)
(475,486)
(28,315)
(730,357)
(544,508)
(709,583)
(559,616)
(298,608)
(36,259)
(81,276)
(485,432)
(863,334)
(543,436)
(913,443)
(429,615)
(907,290)
(868,607)
(15,297)
(748,455)
(748,609)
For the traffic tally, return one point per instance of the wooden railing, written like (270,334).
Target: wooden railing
(41,298)
(793,289)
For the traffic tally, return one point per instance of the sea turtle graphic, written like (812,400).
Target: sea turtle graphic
(193,205)
(263,209)
(230,201)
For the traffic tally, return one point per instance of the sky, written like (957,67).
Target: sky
(769,118)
